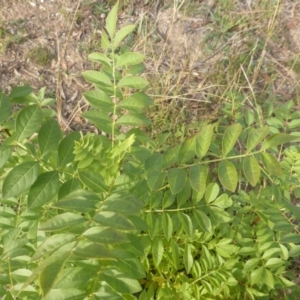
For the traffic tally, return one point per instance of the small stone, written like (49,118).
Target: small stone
(103,16)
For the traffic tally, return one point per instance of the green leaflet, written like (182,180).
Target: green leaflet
(66,148)
(5,153)
(5,107)
(43,190)
(100,100)
(198,177)
(99,58)
(134,120)
(133,82)
(157,250)
(111,20)
(203,139)
(28,121)
(228,175)
(94,181)
(251,170)
(187,150)
(167,225)
(53,243)
(62,221)
(20,179)
(122,33)
(49,275)
(255,136)
(278,139)
(230,137)
(129,59)
(113,220)
(203,221)
(177,178)
(105,235)
(271,163)
(121,282)
(49,137)
(79,200)
(90,250)
(188,258)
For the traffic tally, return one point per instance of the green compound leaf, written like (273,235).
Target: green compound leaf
(271,163)
(129,59)
(19,179)
(230,137)
(105,235)
(43,190)
(203,139)
(28,121)
(256,136)
(99,58)
(49,137)
(120,282)
(5,154)
(133,82)
(177,178)
(5,108)
(228,175)
(251,170)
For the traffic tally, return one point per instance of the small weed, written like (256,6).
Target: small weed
(41,56)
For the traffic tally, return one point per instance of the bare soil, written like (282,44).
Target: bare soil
(71,29)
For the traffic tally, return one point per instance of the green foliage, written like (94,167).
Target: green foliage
(114,217)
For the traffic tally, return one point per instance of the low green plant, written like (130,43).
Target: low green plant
(121,215)
(41,56)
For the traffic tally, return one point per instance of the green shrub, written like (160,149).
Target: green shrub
(115,217)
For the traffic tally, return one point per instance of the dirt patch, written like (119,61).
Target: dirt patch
(189,45)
